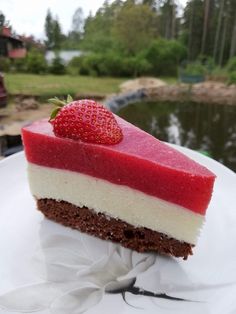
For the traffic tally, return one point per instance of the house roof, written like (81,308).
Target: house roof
(6,33)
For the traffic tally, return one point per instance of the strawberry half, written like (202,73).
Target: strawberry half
(85,120)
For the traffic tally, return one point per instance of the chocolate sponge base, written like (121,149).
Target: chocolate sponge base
(107,228)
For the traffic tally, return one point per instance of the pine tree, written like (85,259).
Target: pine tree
(78,21)
(53,32)
(49,30)
(233,40)
(57,34)
(218,29)
(205,26)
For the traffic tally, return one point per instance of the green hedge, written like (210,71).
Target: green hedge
(109,65)
(36,63)
(162,57)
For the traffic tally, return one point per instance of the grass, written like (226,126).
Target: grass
(46,86)
(51,85)
(169,79)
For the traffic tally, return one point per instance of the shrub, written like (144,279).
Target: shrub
(142,66)
(218,74)
(164,56)
(19,65)
(209,64)
(5,64)
(35,62)
(232,77)
(74,65)
(84,68)
(135,66)
(112,64)
(79,65)
(195,68)
(109,64)
(93,63)
(57,67)
(231,65)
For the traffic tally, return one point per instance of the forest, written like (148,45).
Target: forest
(151,37)
(146,37)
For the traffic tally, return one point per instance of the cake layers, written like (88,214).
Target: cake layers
(117,201)
(107,228)
(139,162)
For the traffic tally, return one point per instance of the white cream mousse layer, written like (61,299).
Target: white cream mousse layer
(118,201)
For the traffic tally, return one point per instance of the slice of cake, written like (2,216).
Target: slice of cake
(97,173)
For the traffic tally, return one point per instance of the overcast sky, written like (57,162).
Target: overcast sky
(28,16)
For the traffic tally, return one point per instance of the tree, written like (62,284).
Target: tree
(53,32)
(193,27)
(49,30)
(223,39)
(2,19)
(78,21)
(98,35)
(233,40)
(57,34)
(134,27)
(72,40)
(168,10)
(151,3)
(205,26)
(218,28)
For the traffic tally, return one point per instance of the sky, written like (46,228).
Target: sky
(28,16)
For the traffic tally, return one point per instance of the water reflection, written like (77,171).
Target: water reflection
(207,128)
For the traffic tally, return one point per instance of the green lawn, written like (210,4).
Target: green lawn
(52,85)
(46,86)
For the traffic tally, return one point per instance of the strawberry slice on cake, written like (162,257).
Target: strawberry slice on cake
(93,171)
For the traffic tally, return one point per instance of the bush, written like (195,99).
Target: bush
(112,64)
(74,65)
(231,65)
(57,67)
(36,63)
(164,56)
(195,68)
(19,65)
(232,77)
(135,66)
(94,64)
(84,68)
(109,64)
(208,63)
(219,75)
(78,65)
(5,64)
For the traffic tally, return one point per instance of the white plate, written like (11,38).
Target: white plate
(57,270)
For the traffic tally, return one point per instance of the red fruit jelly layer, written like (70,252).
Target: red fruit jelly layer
(139,161)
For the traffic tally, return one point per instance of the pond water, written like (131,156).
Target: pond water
(210,129)
(65,55)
